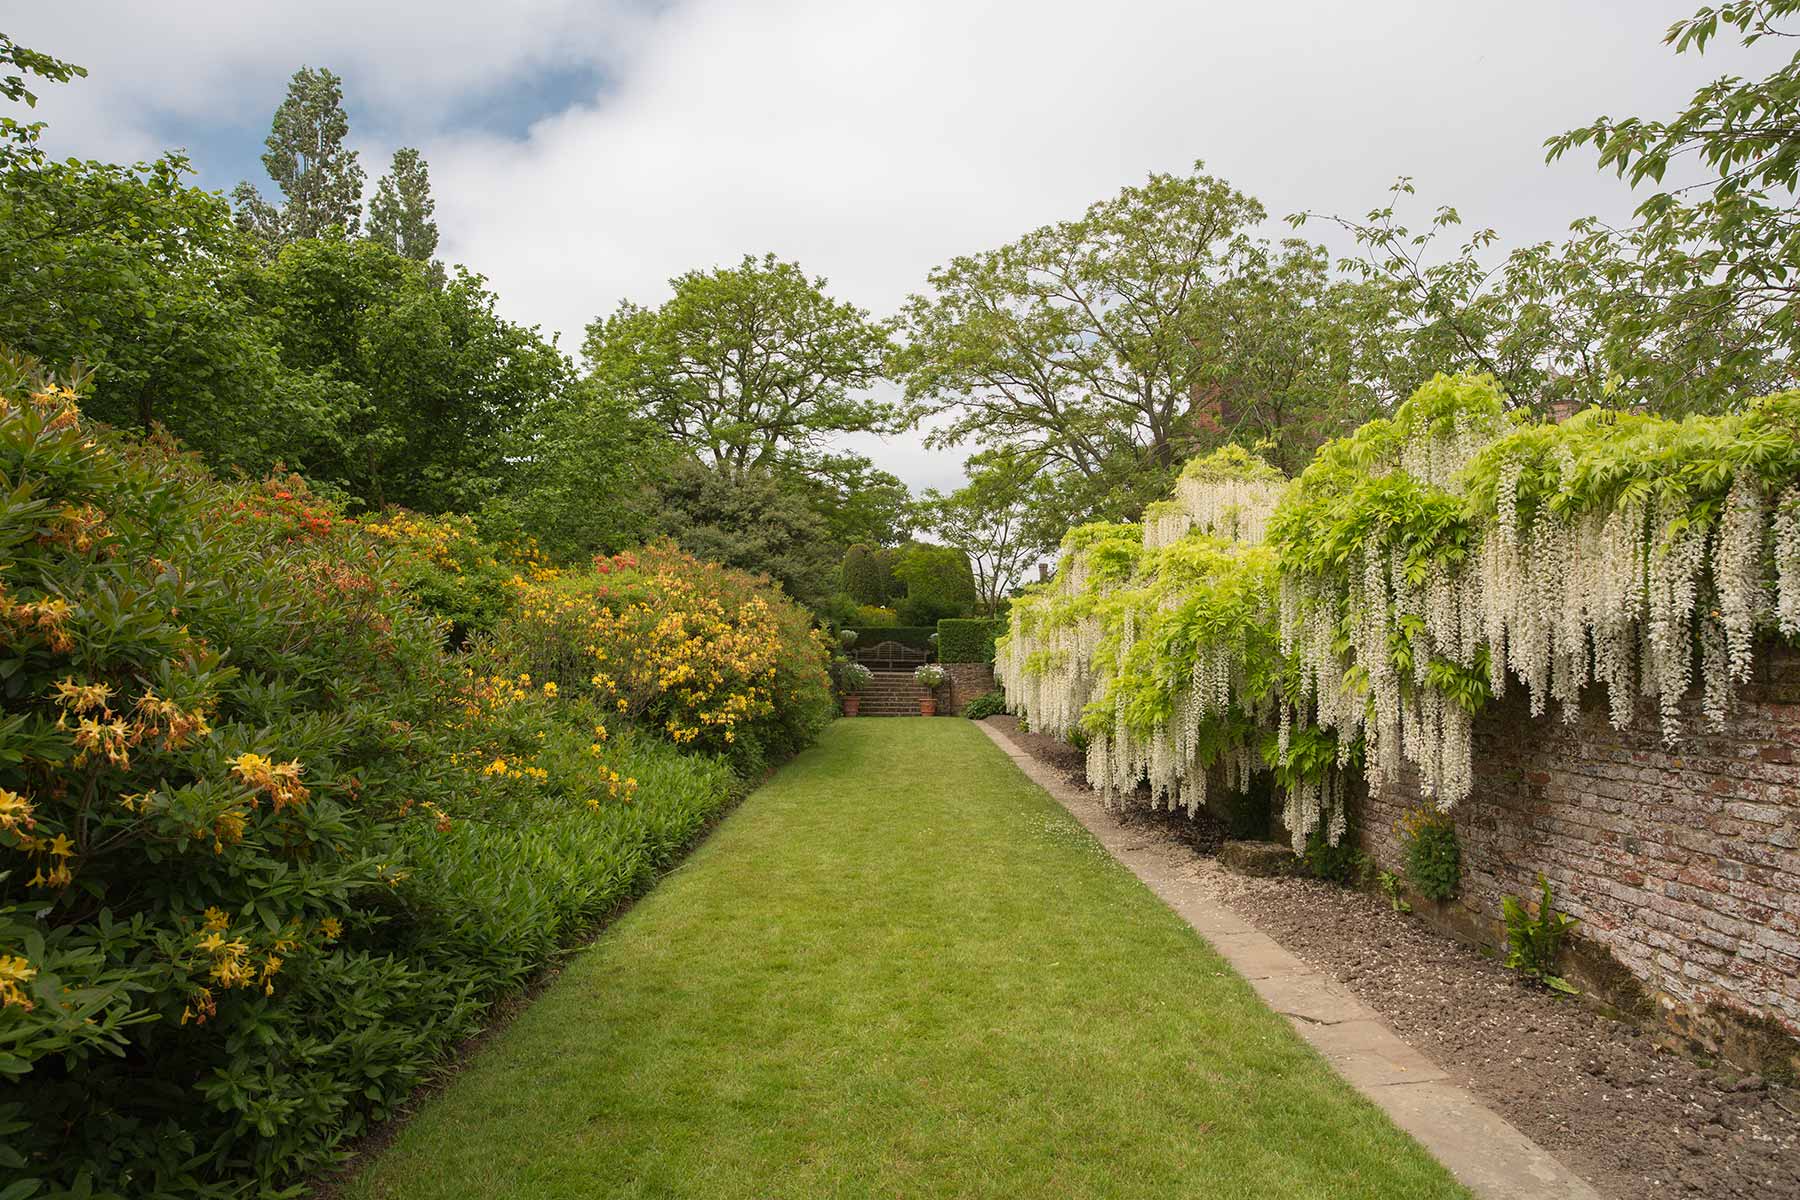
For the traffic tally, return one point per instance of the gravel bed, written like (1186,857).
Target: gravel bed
(1636,1120)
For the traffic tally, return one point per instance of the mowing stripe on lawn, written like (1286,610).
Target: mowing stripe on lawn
(900,969)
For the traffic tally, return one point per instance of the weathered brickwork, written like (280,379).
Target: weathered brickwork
(1683,865)
(964,682)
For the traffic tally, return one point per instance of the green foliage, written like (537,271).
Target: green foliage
(273,849)
(994,521)
(967,640)
(26,61)
(938,583)
(141,277)
(751,518)
(579,444)
(400,212)
(988,704)
(863,577)
(318,175)
(1388,884)
(884,621)
(1534,940)
(1341,863)
(1102,350)
(1431,853)
(419,387)
(752,366)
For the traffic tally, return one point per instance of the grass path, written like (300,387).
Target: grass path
(900,970)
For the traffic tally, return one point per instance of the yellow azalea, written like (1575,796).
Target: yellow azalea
(331,928)
(16,812)
(15,971)
(61,846)
(216,919)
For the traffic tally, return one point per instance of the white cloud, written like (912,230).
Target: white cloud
(870,142)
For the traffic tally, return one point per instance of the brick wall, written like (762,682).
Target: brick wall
(1683,865)
(965,681)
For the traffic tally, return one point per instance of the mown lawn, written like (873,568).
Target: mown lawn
(900,969)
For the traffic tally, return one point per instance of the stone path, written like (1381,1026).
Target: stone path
(1479,1146)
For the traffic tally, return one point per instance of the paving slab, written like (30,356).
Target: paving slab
(1485,1151)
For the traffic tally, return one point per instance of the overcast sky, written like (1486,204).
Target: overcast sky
(584,151)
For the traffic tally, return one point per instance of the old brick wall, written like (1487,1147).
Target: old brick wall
(964,682)
(1683,865)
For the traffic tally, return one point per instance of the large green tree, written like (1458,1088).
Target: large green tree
(138,276)
(320,179)
(1074,342)
(992,520)
(1107,349)
(752,366)
(754,518)
(578,448)
(400,214)
(421,385)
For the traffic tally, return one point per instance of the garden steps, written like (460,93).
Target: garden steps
(892,694)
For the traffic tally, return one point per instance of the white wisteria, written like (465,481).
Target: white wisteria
(1414,572)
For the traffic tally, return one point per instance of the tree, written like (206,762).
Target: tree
(863,578)
(858,501)
(139,276)
(1608,317)
(400,213)
(990,521)
(750,518)
(750,367)
(938,583)
(318,175)
(419,385)
(1074,345)
(1741,229)
(25,62)
(576,446)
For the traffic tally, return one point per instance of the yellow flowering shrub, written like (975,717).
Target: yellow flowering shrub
(706,656)
(267,850)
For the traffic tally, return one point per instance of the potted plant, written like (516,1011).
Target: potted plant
(853,679)
(928,677)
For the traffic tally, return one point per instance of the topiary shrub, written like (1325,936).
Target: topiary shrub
(967,639)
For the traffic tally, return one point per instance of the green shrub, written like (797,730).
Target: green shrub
(967,639)
(1433,856)
(988,704)
(270,852)
(873,617)
(1343,863)
(1533,940)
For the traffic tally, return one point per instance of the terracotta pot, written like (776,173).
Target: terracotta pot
(928,706)
(852,704)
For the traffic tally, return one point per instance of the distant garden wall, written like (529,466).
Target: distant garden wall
(1683,866)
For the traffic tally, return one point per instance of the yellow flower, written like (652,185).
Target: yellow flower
(550,690)
(15,971)
(216,919)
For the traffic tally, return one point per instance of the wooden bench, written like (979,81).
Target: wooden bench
(891,656)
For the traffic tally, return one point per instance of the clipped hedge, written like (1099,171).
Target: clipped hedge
(267,851)
(968,639)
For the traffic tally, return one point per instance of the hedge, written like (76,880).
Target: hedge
(968,639)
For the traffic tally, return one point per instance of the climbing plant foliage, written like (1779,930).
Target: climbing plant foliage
(1358,617)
